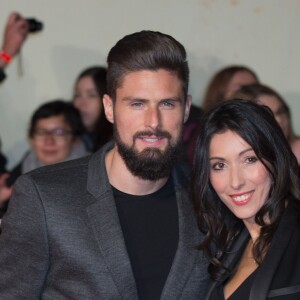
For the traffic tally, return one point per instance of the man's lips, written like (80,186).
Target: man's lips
(242,198)
(151,139)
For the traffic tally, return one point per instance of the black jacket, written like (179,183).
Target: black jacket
(278,277)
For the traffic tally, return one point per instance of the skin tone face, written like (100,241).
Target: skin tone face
(52,140)
(278,110)
(237,81)
(87,101)
(241,180)
(148,101)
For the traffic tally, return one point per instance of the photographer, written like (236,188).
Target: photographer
(15,34)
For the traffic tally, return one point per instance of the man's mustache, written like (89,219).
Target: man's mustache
(158,133)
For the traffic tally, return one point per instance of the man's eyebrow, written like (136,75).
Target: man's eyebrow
(175,99)
(134,99)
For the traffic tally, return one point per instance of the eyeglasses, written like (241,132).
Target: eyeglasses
(57,133)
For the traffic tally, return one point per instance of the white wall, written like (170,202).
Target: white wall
(263,34)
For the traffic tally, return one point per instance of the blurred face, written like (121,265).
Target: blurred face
(148,117)
(241,180)
(237,81)
(278,110)
(52,140)
(87,101)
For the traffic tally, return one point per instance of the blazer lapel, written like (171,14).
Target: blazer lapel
(186,254)
(104,220)
(267,269)
(230,259)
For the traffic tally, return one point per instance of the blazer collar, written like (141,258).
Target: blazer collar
(280,241)
(104,220)
(189,238)
(267,269)
(231,258)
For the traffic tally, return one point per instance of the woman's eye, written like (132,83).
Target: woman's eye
(251,159)
(218,166)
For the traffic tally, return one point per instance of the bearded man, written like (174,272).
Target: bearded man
(118,224)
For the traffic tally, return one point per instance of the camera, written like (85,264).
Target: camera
(34,25)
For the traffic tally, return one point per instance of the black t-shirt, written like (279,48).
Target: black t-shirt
(150,227)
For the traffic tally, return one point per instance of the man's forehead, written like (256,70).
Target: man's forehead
(129,78)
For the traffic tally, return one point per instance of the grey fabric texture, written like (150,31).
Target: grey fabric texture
(61,238)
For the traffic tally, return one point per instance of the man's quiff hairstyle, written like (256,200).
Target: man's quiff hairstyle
(146,50)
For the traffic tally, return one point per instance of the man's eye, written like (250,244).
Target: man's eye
(167,104)
(137,104)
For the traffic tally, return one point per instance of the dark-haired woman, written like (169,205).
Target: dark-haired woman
(246,194)
(89,89)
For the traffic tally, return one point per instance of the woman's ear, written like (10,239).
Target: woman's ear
(108,108)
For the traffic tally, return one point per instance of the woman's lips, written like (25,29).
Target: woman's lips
(242,198)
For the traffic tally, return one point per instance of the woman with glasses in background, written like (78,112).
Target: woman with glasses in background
(54,135)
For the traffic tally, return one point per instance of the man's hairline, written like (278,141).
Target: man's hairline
(121,80)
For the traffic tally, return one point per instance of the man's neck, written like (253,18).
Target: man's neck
(122,179)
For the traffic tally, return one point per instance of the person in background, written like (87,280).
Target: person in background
(265,95)
(118,224)
(14,36)
(54,136)
(89,89)
(247,200)
(225,83)
(222,86)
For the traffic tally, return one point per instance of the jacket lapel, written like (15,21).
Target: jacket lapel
(267,269)
(186,254)
(231,258)
(104,220)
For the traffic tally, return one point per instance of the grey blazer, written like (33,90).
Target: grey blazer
(61,239)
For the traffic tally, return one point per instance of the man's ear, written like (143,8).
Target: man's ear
(108,108)
(188,104)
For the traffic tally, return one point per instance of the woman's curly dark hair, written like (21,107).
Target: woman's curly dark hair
(257,126)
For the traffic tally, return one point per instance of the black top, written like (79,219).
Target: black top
(242,292)
(150,227)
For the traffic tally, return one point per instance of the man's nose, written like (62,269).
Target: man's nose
(152,118)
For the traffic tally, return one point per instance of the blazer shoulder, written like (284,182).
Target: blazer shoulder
(58,174)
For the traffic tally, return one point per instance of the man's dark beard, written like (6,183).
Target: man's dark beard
(151,163)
